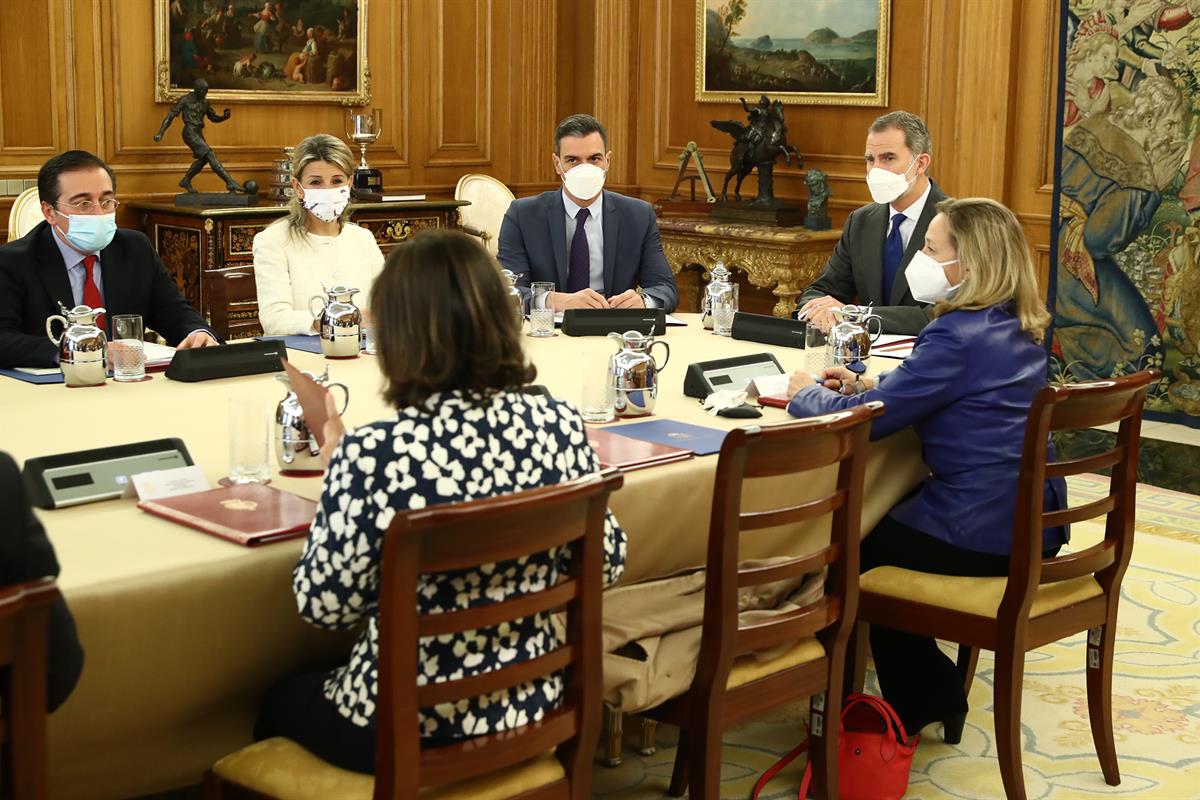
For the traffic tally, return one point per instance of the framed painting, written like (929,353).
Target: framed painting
(814,52)
(291,51)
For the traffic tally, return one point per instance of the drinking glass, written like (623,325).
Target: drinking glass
(724,306)
(541,315)
(249,426)
(816,349)
(368,330)
(128,351)
(596,396)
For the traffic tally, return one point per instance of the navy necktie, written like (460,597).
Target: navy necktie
(580,275)
(893,254)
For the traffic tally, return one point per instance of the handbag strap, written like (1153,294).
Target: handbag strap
(884,709)
(778,766)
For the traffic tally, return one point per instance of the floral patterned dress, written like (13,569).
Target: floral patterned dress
(457,448)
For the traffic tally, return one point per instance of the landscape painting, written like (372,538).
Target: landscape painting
(256,50)
(822,52)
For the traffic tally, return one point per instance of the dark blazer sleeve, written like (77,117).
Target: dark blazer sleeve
(18,348)
(837,279)
(654,275)
(905,320)
(511,253)
(25,555)
(167,311)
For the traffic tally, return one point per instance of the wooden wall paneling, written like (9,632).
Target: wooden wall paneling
(461,113)
(532,73)
(29,59)
(615,23)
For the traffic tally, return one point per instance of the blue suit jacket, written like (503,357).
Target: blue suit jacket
(533,244)
(966,390)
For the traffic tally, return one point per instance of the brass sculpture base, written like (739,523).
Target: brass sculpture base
(776,212)
(216,199)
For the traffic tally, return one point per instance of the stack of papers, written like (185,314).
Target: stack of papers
(892,345)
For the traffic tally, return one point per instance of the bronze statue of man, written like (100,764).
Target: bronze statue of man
(194,108)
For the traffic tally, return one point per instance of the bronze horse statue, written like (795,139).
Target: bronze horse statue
(757,145)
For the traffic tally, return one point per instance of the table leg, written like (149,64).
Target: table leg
(612,736)
(649,730)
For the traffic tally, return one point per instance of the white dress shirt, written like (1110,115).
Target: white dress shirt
(76,272)
(911,215)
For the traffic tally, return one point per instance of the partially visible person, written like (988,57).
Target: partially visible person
(966,390)
(600,249)
(463,430)
(79,255)
(879,240)
(315,247)
(26,555)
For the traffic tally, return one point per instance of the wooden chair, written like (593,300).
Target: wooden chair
(728,689)
(25,214)
(551,758)
(232,302)
(490,200)
(24,617)
(1041,600)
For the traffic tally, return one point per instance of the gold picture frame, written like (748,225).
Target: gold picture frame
(725,78)
(255,53)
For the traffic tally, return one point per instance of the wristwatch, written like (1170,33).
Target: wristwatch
(642,295)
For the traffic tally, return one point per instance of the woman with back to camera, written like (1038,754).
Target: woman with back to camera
(315,247)
(966,390)
(452,364)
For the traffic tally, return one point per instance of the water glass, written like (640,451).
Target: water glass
(249,426)
(724,306)
(128,350)
(816,349)
(596,398)
(541,315)
(368,330)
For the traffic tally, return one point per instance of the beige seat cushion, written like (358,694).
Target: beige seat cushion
(979,596)
(283,769)
(753,666)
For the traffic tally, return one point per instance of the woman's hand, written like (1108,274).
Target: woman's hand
(334,430)
(842,380)
(798,381)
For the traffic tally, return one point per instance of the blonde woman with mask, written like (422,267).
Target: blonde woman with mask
(315,247)
(966,391)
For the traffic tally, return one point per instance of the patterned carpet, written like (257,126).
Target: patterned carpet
(1156,695)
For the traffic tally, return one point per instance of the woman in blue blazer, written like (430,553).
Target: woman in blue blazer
(966,390)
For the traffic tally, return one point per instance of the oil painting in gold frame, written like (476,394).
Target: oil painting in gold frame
(805,52)
(292,51)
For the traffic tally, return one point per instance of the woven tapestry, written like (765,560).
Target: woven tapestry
(1125,285)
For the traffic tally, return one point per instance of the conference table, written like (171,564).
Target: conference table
(183,631)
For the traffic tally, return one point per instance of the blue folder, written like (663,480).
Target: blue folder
(54,377)
(700,440)
(308,343)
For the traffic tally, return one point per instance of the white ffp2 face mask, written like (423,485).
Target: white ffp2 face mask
(327,204)
(927,278)
(584,181)
(886,186)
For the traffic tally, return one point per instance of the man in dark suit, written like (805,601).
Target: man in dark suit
(78,255)
(600,249)
(880,239)
(26,555)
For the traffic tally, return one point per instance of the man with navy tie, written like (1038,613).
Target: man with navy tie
(879,239)
(600,249)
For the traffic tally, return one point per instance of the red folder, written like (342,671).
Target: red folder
(249,514)
(628,453)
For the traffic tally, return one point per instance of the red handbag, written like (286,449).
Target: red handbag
(873,757)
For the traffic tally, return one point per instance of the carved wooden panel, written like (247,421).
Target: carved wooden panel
(179,249)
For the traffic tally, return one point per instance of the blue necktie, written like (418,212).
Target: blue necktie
(893,254)
(580,275)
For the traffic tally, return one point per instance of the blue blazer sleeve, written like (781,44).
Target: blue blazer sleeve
(655,275)
(511,253)
(932,377)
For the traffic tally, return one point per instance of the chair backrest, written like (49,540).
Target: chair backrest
(25,214)
(768,451)
(24,617)
(464,535)
(1070,407)
(232,300)
(490,200)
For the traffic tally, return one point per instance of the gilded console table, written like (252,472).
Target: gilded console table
(782,260)
(208,250)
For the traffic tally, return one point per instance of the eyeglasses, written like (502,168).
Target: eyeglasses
(89,207)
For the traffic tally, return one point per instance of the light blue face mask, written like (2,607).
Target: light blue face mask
(90,233)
